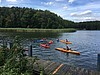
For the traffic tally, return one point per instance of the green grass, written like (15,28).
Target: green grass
(37,30)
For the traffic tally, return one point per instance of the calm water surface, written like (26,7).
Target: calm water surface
(86,42)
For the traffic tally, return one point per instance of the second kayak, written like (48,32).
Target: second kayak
(63,41)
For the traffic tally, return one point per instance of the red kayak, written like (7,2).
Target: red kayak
(44,45)
(50,42)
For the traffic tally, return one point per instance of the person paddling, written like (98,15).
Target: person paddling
(68,48)
(57,40)
(66,40)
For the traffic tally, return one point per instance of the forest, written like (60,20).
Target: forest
(17,17)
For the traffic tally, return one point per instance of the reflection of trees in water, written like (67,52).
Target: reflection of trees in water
(26,38)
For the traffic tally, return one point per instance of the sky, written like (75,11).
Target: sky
(73,10)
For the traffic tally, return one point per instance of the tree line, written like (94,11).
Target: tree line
(17,17)
(90,25)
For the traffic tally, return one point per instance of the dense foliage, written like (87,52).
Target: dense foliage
(16,17)
(91,25)
(13,61)
(27,17)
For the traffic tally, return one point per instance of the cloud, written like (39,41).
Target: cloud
(71,1)
(47,3)
(59,0)
(11,0)
(0,1)
(94,5)
(82,19)
(87,12)
(74,14)
(90,19)
(91,5)
(11,5)
(65,7)
(87,18)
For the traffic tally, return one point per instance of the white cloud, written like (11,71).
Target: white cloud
(86,12)
(82,19)
(11,0)
(47,3)
(78,14)
(59,0)
(65,7)
(10,5)
(71,1)
(86,18)
(89,19)
(74,14)
(0,1)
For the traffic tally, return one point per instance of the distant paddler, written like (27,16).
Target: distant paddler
(50,42)
(66,41)
(68,48)
(57,40)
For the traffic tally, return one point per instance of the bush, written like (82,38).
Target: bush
(13,61)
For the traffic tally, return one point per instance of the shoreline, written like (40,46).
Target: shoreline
(36,30)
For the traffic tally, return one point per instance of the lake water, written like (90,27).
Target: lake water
(85,42)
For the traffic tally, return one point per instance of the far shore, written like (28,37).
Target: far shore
(36,30)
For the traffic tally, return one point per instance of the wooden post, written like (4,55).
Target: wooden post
(98,62)
(10,45)
(30,51)
(4,43)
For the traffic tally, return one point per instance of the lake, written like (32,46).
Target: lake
(85,42)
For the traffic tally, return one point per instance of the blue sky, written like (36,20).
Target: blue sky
(74,10)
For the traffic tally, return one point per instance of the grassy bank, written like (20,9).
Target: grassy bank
(37,30)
